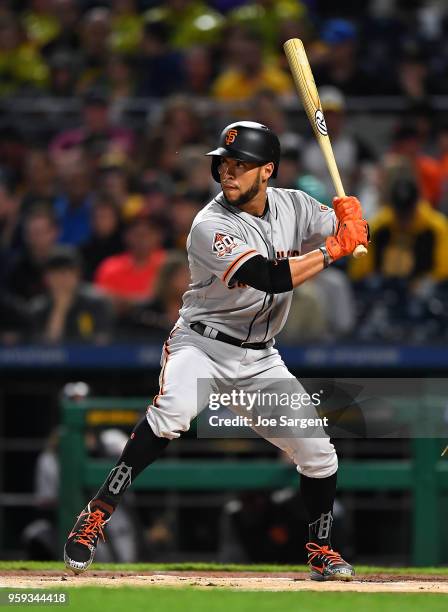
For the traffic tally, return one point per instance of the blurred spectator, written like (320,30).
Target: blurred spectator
(63,74)
(106,235)
(306,321)
(265,109)
(443,156)
(413,73)
(115,183)
(288,171)
(322,309)
(409,240)
(198,70)
(421,114)
(39,23)
(14,319)
(10,235)
(183,209)
(352,154)
(119,82)
(26,271)
(179,125)
(251,75)
(40,179)
(73,205)
(96,136)
(127,25)
(95,45)
(21,67)
(196,179)
(160,70)
(67,41)
(315,188)
(265,17)
(40,536)
(70,311)
(189,22)
(339,64)
(130,276)
(407,143)
(158,315)
(13,148)
(157,188)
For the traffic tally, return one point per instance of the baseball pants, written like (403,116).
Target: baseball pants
(187,357)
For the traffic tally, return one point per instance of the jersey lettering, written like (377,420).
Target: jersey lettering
(238,285)
(288,253)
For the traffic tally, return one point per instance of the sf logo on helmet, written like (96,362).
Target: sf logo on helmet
(230,136)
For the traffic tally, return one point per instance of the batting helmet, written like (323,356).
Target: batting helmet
(248,141)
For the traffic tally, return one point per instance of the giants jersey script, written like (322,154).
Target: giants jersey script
(223,237)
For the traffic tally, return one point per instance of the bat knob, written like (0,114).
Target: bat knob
(360,251)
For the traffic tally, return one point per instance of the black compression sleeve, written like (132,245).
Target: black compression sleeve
(269,275)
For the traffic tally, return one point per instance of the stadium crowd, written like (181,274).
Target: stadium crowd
(107,109)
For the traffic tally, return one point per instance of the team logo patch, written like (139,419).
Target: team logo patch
(223,244)
(319,119)
(119,478)
(230,136)
(323,208)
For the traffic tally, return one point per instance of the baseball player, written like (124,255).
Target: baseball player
(248,248)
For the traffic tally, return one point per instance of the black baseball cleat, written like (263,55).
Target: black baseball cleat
(327,564)
(79,550)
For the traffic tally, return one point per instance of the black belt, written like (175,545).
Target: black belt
(209,332)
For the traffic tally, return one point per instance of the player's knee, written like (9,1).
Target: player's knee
(166,424)
(322,465)
(316,458)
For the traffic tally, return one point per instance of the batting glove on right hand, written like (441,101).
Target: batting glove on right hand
(349,235)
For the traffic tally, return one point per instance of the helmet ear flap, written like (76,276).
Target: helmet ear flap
(215,164)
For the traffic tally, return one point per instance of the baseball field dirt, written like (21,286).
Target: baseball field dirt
(214,577)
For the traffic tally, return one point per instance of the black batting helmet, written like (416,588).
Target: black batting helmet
(248,141)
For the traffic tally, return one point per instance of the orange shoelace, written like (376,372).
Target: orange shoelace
(315,550)
(92,527)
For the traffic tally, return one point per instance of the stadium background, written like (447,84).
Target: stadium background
(106,109)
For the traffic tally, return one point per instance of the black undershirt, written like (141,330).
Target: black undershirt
(268,275)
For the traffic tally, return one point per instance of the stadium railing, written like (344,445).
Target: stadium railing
(424,474)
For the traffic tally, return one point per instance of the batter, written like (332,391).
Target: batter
(247,249)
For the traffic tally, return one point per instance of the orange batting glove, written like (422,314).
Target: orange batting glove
(349,235)
(347,208)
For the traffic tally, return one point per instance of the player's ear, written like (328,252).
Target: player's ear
(267,170)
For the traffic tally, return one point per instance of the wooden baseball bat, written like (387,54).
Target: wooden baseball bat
(307,90)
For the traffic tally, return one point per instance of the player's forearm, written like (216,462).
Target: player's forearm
(279,275)
(306,266)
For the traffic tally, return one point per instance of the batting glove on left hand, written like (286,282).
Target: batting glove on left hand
(346,208)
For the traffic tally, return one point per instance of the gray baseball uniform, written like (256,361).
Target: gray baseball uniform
(222,238)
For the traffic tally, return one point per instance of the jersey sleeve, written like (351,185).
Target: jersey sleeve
(219,248)
(316,222)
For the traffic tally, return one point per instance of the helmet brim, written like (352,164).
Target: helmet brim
(243,155)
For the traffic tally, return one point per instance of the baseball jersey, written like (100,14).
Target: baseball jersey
(223,237)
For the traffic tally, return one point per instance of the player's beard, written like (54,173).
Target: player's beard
(248,195)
